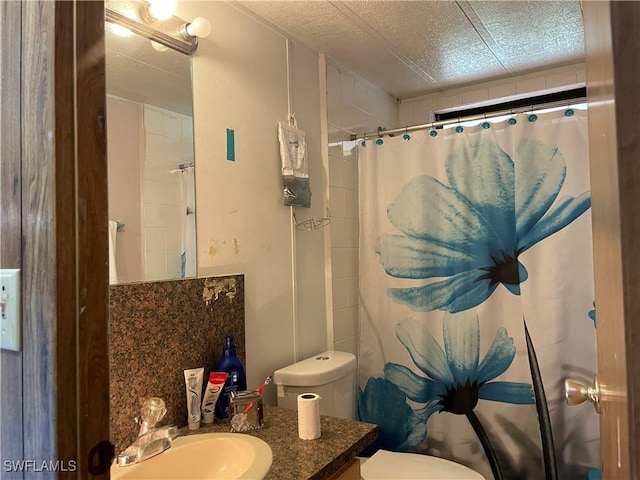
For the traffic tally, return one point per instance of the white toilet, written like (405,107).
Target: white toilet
(332,375)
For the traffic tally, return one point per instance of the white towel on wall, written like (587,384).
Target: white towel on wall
(113,230)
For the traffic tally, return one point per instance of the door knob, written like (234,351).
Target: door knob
(576,392)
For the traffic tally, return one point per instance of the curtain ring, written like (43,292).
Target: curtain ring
(406,137)
(485,124)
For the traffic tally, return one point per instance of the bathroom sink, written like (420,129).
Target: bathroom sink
(204,456)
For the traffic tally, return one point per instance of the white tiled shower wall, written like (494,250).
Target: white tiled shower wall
(356,106)
(169,143)
(353,106)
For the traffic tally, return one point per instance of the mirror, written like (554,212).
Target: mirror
(150,160)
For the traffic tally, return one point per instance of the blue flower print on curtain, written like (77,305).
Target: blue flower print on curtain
(473,230)
(400,428)
(455,378)
(592,314)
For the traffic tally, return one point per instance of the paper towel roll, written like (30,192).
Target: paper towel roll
(308,416)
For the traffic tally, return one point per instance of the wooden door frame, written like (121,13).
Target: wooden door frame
(82,287)
(612,72)
(55,391)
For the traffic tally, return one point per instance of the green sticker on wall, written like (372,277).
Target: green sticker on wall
(231,145)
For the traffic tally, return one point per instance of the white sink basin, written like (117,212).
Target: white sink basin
(204,456)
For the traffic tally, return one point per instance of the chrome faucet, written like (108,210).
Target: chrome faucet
(151,440)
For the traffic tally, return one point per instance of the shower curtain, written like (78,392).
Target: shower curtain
(477,301)
(188,220)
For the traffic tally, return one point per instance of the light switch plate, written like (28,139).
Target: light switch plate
(10,310)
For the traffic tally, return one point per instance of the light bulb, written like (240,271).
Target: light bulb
(162,9)
(199,27)
(159,47)
(120,30)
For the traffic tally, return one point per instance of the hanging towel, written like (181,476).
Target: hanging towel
(113,230)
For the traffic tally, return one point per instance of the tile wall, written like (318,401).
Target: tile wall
(353,106)
(125,153)
(169,142)
(418,110)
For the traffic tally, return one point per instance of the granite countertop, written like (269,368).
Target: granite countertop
(296,459)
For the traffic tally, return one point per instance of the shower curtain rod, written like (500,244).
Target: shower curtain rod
(470,118)
(182,167)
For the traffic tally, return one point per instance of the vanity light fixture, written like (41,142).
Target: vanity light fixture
(154,20)
(158,46)
(199,27)
(120,30)
(160,9)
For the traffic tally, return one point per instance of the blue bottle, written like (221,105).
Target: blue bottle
(237,380)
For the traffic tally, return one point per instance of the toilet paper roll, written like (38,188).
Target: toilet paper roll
(308,416)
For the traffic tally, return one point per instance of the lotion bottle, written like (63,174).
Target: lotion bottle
(236,381)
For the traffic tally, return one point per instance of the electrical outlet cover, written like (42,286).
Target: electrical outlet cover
(10,310)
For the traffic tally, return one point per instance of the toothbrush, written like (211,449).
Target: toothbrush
(260,389)
(239,422)
(266,382)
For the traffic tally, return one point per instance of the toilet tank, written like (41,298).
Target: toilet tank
(330,374)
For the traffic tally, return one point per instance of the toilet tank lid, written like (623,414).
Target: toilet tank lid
(319,369)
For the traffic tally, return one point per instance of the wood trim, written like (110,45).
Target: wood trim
(605,218)
(612,52)
(93,253)
(81,227)
(11,443)
(10,30)
(38,213)
(625,25)
(66,262)
(54,227)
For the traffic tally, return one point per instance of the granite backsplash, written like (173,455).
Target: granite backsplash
(159,329)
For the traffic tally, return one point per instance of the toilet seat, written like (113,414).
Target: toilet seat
(385,465)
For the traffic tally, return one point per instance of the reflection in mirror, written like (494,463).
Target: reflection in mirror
(150,160)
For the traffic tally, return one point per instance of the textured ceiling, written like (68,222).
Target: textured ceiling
(407,48)
(411,48)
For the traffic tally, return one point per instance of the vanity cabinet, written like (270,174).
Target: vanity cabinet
(351,471)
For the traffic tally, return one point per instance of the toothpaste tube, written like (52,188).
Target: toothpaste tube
(211,394)
(193,384)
